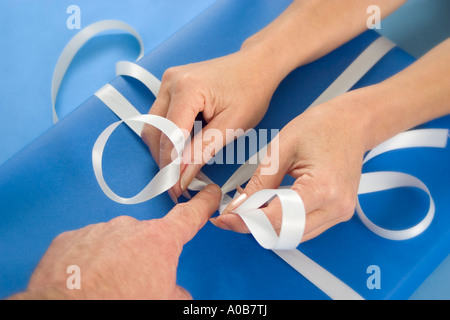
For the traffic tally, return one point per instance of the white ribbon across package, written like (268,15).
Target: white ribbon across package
(293,212)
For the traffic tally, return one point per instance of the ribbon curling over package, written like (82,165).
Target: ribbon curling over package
(89,147)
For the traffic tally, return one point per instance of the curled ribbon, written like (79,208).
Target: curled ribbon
(293,212)
(75,44)
(163,180)
(385,180)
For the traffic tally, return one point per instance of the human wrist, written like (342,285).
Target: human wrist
(357,112)
(266,57)
(373,114)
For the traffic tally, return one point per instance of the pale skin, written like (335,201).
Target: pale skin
(322,148)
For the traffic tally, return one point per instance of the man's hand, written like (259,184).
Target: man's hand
(124,258)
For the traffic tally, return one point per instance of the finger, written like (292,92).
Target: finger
(186,219)
(319,214)
(182,111)
(203,147)
(232,221)
(151,135)
(273,168)
(314,204)
(269,174)
(312,200)
(330,214)
(318,222)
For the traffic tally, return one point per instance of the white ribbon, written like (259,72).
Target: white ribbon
(164,179)
(379,181)
(75,44)
(293,212)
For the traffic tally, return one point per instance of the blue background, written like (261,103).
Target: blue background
(33,33)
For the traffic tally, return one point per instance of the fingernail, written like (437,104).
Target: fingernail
(172,196)
(219,224)
(187,177)
(186,194)
(235,203)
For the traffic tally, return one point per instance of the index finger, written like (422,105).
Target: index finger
(186,219)
(182,111)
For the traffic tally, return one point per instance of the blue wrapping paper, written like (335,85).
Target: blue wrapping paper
(49,187)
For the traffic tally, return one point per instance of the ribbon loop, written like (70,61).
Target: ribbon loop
(380,181)
(292,223)
(75,44)
(163,180)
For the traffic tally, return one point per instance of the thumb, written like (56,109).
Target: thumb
(317,219)
(269,174)
(320,216)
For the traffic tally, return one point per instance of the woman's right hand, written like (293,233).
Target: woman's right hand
(231,92)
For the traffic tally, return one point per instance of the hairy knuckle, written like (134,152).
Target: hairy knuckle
(185,82)
(186,208)
(62,237)
(169,73)
(122,220)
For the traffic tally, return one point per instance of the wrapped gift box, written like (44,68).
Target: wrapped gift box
(49,187)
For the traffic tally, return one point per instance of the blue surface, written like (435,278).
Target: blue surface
(32,36)
(48,200)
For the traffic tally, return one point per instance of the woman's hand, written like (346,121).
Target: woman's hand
(231,92)
(323,150)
